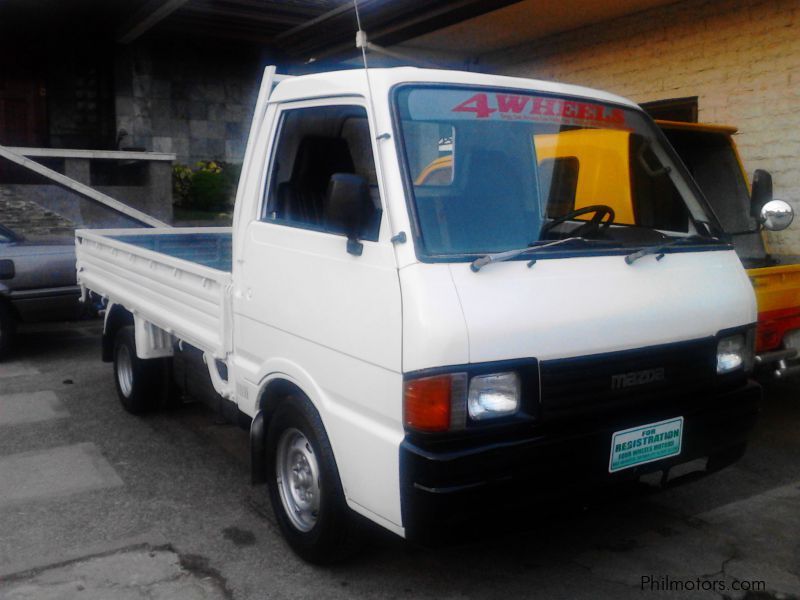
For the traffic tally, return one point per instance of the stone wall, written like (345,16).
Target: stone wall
(193,99)
(740,57)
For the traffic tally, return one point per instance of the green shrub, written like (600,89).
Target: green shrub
(181,184)
(210,186)
(209,191)
(231,172)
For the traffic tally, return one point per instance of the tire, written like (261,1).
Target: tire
(311,511)
(8,327)
(137,381)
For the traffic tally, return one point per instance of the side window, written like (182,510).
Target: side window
(314,144)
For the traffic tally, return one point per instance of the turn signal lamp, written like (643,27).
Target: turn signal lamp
(428,401)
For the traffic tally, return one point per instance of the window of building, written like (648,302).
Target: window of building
(673,109)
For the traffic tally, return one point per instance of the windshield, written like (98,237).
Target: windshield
(496,171)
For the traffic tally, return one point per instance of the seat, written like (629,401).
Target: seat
(302,198)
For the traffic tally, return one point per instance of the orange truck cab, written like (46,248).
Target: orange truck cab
(588,167)
(710,154)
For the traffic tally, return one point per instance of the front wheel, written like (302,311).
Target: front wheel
(137,381)
(304,486)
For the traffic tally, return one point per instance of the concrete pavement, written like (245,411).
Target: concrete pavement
(161,506)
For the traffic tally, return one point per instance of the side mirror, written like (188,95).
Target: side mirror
(346,208)
(761,192)
(776,215)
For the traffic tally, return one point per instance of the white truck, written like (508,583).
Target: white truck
(427,350)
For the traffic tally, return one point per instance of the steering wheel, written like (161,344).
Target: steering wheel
(596,223)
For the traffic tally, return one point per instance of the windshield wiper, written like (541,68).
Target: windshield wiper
(658,249)
(481,262)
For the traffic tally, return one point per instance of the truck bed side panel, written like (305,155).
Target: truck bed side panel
(151,274)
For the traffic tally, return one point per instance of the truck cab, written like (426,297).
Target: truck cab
(424,352)
(585,167)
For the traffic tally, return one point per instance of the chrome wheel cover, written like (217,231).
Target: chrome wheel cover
(125,370)
(297,473)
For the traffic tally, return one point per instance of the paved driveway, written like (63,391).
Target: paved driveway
(95,503)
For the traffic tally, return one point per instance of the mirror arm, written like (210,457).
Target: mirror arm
(354,247)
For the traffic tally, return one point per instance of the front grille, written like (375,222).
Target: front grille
(603,382)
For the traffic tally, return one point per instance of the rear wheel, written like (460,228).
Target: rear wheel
(304,486)
(137,381)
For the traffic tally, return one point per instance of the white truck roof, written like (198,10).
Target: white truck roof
(353,81)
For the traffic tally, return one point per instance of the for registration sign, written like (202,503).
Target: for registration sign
(646,443)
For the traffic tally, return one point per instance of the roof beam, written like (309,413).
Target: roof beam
(316,20)
(196,25)
(253,16)
(302,11)
(405,26)
(146,17)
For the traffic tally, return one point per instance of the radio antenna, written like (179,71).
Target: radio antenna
(362,43)
(361,37)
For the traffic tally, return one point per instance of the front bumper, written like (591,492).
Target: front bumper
(446,488)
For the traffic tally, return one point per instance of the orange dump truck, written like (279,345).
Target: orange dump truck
(587,167)
(711,156)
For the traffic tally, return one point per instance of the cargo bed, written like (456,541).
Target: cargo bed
(176,279)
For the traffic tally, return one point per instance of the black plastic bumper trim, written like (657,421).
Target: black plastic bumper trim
(444,490)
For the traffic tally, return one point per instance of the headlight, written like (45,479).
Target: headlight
(492,396)
(735,352)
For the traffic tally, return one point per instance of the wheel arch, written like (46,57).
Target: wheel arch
(349,432)
(274,390)
(117,317)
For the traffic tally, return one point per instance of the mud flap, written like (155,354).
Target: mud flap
(258,436)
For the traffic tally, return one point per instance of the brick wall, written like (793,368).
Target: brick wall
(740,57)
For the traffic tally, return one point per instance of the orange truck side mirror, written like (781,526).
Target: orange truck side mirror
(761,191)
